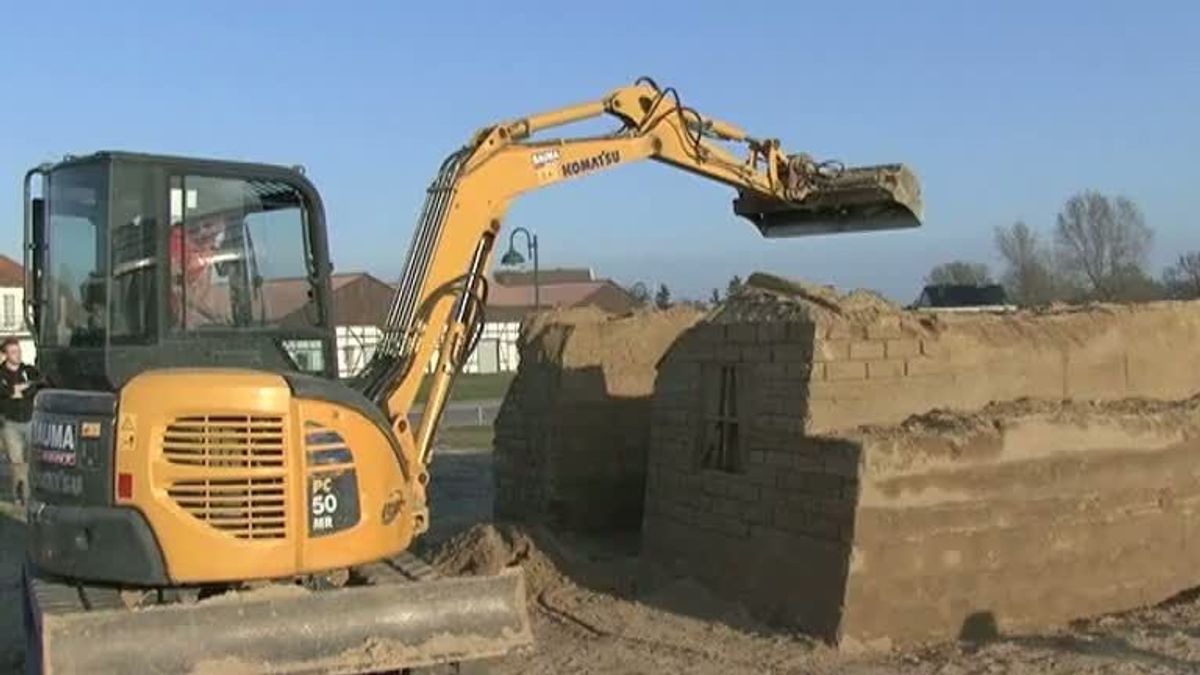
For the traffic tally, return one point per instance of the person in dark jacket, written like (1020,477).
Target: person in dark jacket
(18,382)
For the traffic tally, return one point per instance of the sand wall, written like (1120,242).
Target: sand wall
(841,518)
(868,362)
(1018,517)
(1023,516)
(574,428)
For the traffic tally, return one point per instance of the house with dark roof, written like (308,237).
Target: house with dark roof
(963,297)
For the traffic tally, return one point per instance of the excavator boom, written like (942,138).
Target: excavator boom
(438,308)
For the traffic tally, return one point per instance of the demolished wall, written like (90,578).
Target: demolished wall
(573,430)
(838,517)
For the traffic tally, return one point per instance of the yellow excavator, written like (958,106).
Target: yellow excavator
(205,493)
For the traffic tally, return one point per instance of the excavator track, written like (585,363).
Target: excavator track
(395,616)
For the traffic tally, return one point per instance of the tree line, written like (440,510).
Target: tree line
(662,298)
(1097,250)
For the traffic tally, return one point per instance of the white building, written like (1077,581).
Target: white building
(12,307)
(360,302)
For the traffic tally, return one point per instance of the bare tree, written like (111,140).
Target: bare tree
(1028,268)
(639,292)
(1182,280)
(1103,244)
(959,273)
(662,297)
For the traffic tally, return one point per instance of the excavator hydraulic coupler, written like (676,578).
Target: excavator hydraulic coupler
(859,199)
(364,629)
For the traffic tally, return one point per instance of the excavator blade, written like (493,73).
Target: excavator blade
(365,629)
(860,199)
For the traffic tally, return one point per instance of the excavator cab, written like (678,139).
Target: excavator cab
(137,262)
(194,440)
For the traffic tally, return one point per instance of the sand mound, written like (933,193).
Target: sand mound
(766,297)
(487,549)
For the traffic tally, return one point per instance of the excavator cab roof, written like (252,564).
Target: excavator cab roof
(138,261)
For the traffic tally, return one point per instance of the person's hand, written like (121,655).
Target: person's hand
(19,389)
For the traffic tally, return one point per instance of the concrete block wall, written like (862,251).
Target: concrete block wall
(882,371)
(1026,516)
(572,434)
(777,533)
(842,519)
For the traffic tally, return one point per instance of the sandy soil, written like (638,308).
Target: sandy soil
(596,609)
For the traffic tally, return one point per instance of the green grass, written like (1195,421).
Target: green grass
(468,387)
(465,438)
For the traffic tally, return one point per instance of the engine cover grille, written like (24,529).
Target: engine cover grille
(226,441)
(246,495)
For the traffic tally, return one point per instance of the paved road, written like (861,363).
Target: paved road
(463,413)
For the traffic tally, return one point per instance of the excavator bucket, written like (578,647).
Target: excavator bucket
(860,199)
(366,629)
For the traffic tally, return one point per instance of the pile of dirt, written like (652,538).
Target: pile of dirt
(487,549)
(766,297)
(624,348)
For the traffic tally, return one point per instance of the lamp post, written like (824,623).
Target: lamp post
(514,257)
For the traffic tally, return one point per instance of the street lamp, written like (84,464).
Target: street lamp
(514,257)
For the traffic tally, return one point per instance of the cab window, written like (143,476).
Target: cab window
(239,255)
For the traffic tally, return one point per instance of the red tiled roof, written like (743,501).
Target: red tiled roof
(552,295)
(12,274)
(554,275)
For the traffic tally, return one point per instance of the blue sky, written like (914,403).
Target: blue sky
(1003,109)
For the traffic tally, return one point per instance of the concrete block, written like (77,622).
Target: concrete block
(791,353)
(867,349)
(933,347)
(902,349)
(921,366)
(741,333)
(846,370)
(883,370)
(772,332)
(825,349)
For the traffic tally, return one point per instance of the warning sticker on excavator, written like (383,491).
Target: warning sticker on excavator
(332,502)
(543,157)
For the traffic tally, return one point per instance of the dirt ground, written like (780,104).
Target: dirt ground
(596,609)
(12,551)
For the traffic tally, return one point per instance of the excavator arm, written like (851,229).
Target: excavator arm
(437,310)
